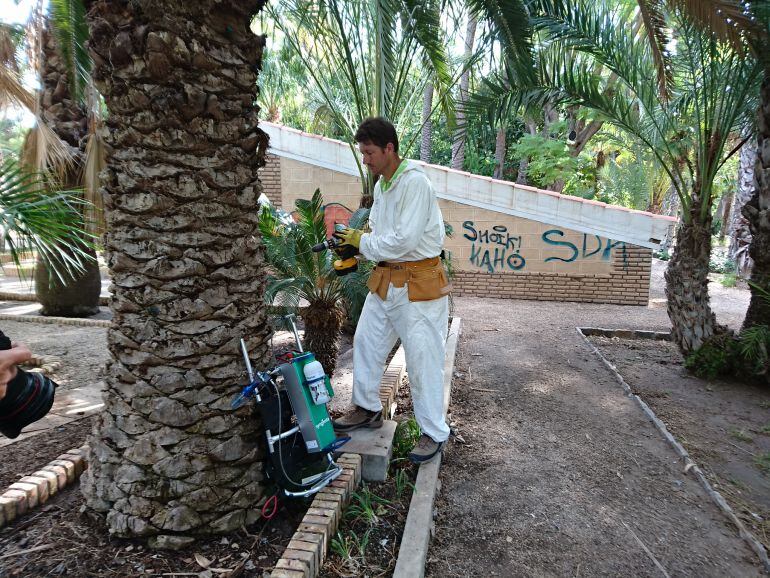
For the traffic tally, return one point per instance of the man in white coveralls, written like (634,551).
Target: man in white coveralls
(409,291)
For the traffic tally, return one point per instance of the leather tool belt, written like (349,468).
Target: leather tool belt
(425,280)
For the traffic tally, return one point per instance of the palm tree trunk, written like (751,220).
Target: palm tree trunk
(77,296)
(427,124)
(323,324)
(169,458)
(723,213)
(458,140)
(692,321)
(500,149)
(757,212)
(740,235)
(521,177)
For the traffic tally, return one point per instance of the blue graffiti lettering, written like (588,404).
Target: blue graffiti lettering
(497,261)
(547,239)
(468,226)
(598,246)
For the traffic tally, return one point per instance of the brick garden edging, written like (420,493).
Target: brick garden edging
(10,296)
(34,490)
(56,320)
(690,465)
(307,549)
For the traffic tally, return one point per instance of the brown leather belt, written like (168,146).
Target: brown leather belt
(423,263)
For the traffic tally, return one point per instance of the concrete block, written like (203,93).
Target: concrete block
(29,489)
(329,516)
(68,466)
(375,446)
(315,540)
(19,499)
(8,507)
(76,458)
(303,556)
(284,573)
(312,548)
(42,487)
(51,478)
(60,472)
(319,530)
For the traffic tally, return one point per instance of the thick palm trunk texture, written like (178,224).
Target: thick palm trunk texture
(692,321)
(169,457)
(757,211)
(78,296)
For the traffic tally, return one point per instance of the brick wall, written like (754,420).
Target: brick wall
(300,180)
(495,254)
(270,177)
(627,283)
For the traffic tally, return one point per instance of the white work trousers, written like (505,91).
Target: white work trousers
(422,328)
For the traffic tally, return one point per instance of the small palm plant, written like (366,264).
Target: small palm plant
(32,218)
(305,282)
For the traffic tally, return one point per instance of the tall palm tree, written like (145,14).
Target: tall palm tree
(65,252)
(169,458)
(71,108)
(685,124)
(746,25)
(740,235)
(458,139)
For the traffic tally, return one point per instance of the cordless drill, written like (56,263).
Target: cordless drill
(347,262)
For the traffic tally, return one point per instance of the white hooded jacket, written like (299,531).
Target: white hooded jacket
(405,219)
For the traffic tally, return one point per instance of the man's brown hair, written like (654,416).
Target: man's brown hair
(378,131)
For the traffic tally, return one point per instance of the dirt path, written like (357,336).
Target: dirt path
(561,474)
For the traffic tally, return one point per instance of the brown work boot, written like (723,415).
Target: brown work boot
(425,450)
(357,418)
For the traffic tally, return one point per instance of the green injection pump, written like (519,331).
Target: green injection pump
(291,399)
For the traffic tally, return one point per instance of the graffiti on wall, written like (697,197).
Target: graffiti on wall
(498,250)
(495,248)
(590,247)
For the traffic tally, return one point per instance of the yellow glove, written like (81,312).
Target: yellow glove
(351,237)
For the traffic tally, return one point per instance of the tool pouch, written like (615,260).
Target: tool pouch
(428,284)
(424,282)
(378,282)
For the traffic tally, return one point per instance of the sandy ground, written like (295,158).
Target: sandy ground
(560,473)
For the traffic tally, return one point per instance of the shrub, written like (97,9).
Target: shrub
(729,280)
(718,356)
(744,356)
(721,263)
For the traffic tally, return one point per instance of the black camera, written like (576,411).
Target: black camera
(28,397)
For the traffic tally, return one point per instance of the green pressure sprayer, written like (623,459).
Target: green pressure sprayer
(291,399)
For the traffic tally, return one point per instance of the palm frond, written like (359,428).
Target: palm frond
(655,27)
(423,23)
(511,23)
(68,21)
(754,342)
(95,161)
(11,36)
(726,18)
(50,223)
